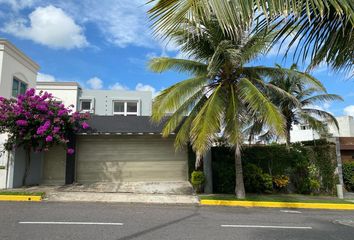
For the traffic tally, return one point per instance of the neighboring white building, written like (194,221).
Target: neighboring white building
(17,73)
(65,92)
(302,132)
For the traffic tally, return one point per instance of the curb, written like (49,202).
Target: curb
(21,198)
(329,206)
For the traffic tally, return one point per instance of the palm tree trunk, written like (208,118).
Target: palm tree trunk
(240,186)
(27,166)
(288,129)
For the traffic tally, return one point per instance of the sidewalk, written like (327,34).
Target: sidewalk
(169,193)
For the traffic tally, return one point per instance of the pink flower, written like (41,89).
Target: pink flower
(85,125)
(49,139)
(22,123)
(70,151)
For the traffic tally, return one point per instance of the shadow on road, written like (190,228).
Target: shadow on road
(149,230)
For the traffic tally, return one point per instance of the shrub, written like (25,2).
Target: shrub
(281,181)
(197,180)
(255,180)
(348,175)
(267,183)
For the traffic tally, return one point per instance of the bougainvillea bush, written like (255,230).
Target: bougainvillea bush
(37,122)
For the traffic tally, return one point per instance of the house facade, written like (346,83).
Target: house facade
(122,145)
(344,133)
(17,73)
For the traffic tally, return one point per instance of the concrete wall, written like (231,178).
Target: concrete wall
(346,129)
(103,100)
(65,92)
(298,135)
(13,63)
(35,172)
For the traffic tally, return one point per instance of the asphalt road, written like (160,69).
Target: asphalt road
(85,221)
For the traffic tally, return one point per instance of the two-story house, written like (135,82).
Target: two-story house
(123,145)
(17,73)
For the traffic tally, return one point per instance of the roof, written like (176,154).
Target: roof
(18,54)
(123,125)
(47,83)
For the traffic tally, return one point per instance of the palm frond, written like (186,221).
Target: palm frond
(171,98)
(321,98)
(163,64)
(323,115)
(207,122)
(258,103)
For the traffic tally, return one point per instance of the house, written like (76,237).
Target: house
(122,145)
(345,135)
(17,73)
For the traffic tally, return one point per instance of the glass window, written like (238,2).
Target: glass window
(23,88)
(132,107)
(119,107)
(86,105)
(15,87)
(18,87)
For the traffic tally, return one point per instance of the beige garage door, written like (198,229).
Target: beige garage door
(54,166)
(129,158)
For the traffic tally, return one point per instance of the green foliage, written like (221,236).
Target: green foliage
(348,175)
(281,181)
(197,178)
(310,169)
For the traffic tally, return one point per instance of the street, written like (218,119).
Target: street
(85,221)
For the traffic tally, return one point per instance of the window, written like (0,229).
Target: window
(125,108)
(86,105)
(304,127)
(18,87)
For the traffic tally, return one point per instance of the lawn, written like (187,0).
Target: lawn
(277,198)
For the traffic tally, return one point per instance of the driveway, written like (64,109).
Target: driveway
(49,220)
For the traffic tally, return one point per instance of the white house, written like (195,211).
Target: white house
(17,73)
(302,132)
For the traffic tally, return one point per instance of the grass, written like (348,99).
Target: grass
(42,194)
(278,198)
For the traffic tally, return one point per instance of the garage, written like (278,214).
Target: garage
(117,149)
(129,158)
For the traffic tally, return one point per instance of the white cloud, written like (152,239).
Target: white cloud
(45,77)
(49,26)
(18,4)
(123,22)
(349,110)
(95,83)
(118,86)
(142,87)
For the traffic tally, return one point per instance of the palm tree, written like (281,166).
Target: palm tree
(307,94)
(223,92)
(324,28)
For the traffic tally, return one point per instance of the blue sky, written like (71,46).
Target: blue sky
(105,45)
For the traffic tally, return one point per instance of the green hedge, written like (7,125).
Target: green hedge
(309,167)
(348,175)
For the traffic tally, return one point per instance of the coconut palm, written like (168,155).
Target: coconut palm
(223,92)
(308,94)
(323,28)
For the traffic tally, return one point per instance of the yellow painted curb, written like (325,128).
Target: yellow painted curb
(332,206)
(22,198)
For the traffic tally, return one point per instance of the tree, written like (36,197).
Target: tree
(37,122)
(222,95)
(307,92)
(324,28)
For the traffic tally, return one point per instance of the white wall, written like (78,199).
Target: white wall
(66,92)
(346,129)
(299,135)
(13,63)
